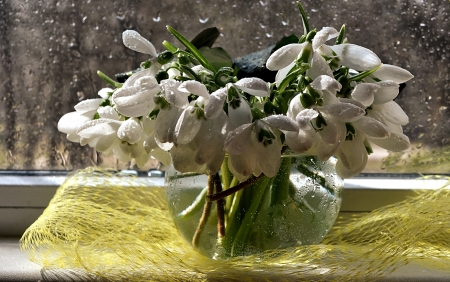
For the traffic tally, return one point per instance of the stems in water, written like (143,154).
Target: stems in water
(232,190)
(220,207)
(206,212)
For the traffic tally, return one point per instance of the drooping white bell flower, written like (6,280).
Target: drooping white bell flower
(356,57)
(394,73)
(84,112)
(136,100)
(256,147)
(133,40)
(352,157)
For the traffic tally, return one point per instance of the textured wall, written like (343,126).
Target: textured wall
(51,50)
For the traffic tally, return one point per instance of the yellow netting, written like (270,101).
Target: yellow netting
(118,229)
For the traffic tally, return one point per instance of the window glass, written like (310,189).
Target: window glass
(51,51)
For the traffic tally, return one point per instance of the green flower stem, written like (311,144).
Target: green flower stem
(279,191)
(109,80)
(226,174)
(239,243)
(234,216)
(169,46)
(363,74)
(230,198)
(195,206)
(302,168)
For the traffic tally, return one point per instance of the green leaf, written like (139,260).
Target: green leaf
(206,38)
(217,57)
(304,18)
(201,59)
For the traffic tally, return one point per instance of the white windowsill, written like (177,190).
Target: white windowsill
(24,198)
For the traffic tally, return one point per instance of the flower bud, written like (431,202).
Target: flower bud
(165,57)
(183,60)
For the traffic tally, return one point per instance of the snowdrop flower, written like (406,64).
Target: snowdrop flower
(255,148)
(349,55)
(135,97)
(84,112)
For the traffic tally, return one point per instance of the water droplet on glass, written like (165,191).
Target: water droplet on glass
(158,17)
(203,20)
(80,95)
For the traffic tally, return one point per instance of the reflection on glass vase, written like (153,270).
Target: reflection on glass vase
(296,207)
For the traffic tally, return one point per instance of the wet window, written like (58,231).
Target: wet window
(51,50)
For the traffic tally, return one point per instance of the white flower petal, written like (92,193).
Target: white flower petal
(133,40)
(268,158)
(165,124)
(319,66)
(172,94)
(108,112)
(194,87)
(344,112)
(371,127)
(323,36)
(284,56)
(254,86)
(98,127)
(330,133)
(133,102)
(282,73)
(183,159)
(237,140)
(148,125)
(243,165)
(162,156)
(388,91)
(325,82)
(130,131)
(394,73)
(304,118)
(392,112)
(187,126)
(298,142)
(88,105)
(281,122)
(356,57)
(214,105)
(364,93)
(104,92)
(396,142)
(131,81)
(295,107)
(70,122)
(240,115)
(352,158)
(105,143)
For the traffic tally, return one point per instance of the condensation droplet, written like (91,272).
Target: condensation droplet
(80,95)
(158,17)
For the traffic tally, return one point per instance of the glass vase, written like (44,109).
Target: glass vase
(296,207)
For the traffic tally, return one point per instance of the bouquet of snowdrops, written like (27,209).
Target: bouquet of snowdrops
(326,100)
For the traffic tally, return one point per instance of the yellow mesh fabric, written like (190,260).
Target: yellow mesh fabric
(118,229)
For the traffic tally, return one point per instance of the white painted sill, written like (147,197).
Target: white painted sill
(23,197)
